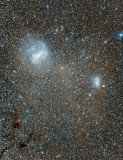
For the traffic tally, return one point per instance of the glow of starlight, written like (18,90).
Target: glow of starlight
(35,52)
(39,56)
(96,81)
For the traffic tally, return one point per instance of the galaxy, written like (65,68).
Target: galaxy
(61,80)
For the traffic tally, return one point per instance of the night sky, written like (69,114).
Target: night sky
(61,79)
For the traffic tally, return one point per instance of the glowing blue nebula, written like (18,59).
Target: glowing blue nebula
(39,53)
(35,55)
(96,80)
(35,52)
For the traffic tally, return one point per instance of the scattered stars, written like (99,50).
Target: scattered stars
(83,53)
(104,151)
(62,28)
(58,156)
(2,16)
(61,79)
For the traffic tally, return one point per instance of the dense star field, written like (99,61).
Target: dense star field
(61,79)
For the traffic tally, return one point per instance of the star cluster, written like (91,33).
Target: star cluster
(34,54)
(61,80)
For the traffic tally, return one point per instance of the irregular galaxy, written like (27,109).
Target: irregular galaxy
(61,80)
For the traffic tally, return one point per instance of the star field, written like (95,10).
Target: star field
(61,80)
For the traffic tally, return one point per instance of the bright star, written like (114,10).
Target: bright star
(105,42)
(120,35)
(47,6)
(115,8)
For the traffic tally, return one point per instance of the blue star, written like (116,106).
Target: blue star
(47,6)
(5,153)
(82,53)
(83,113)
(104,150)
(106,41)
(120,35)
(116,8)
(1,45)
(87,58)
(9,104)
(27,111)
(25,135)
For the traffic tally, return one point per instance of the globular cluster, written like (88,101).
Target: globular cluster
(61,80)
